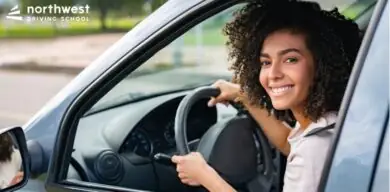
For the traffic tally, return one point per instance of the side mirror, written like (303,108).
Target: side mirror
(14,159)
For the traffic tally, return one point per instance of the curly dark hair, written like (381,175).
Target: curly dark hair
(333,40)
(6,147)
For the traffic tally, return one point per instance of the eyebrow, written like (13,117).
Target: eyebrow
(285,51)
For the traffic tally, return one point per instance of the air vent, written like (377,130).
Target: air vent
(109,167)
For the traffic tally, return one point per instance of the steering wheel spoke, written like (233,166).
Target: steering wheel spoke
(193,145)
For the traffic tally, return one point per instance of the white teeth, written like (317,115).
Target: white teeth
(280,89)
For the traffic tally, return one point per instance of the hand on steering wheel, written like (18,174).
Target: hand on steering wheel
(192,168)
(227,152)
(228,92)
(218,154)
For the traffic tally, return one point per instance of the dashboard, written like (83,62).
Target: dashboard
(155,132)
(116,146)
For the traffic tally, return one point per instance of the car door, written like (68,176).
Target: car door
(123,61)
(364,118)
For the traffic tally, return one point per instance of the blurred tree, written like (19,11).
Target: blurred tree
(104,6)
(131,7)
(134,7)
(3,10)
(157,3)
(6,5)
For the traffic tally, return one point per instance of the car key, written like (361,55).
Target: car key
(164,159)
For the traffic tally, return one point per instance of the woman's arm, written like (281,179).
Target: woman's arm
(275,130)
(215,183)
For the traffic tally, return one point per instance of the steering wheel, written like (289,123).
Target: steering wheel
(229,146)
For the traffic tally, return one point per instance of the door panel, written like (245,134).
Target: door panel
(366,115)
(381,176)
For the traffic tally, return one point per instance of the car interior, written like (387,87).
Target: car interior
(119,145)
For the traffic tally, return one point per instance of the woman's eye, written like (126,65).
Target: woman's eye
(265,63)
(292,60)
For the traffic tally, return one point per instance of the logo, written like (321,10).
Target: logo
(51,12)
(14,14)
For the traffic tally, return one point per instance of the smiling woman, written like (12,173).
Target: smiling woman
(285,56)
(311,42)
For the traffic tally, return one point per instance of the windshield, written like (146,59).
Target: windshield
(139,86)
(198,57)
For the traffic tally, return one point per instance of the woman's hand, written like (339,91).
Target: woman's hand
(192,168)
(229,92)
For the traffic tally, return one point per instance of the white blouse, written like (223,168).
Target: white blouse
(307,155)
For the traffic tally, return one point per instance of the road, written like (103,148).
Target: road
(22,94)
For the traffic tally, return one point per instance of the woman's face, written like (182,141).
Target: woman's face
(287,69)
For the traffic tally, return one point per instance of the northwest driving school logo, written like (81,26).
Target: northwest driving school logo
(15,14)
(51,12)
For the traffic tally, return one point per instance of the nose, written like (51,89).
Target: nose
(275,71)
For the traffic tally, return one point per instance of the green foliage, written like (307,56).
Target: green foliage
(72,28)
(358,8)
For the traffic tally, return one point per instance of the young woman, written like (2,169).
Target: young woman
(291,60)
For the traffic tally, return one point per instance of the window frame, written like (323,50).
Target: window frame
(61,156)
(375,21)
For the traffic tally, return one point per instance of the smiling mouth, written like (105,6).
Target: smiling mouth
(281,90)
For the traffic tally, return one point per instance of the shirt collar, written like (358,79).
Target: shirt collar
(328,119)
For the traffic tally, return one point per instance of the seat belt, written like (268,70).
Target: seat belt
(319,130)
